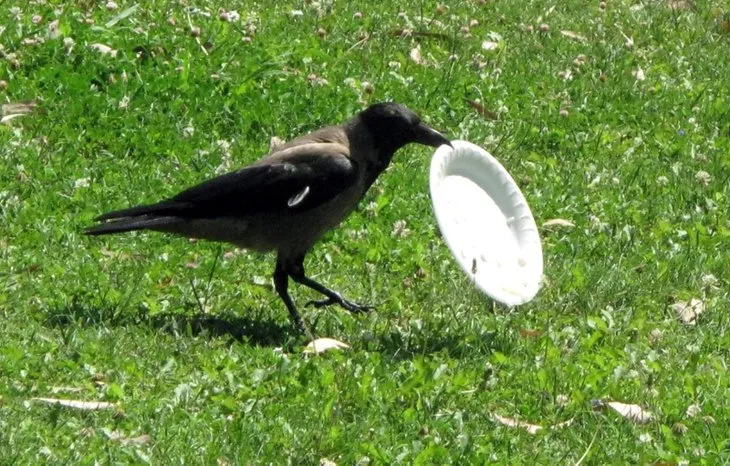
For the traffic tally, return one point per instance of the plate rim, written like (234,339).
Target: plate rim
(438,163)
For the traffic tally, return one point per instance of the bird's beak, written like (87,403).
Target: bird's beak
(430,137)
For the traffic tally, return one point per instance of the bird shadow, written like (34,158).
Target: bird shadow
(261,330)
(255,329)
(455,345)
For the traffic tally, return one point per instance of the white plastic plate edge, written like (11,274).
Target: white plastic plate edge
(528,237)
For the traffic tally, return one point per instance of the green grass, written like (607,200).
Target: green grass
(183,337)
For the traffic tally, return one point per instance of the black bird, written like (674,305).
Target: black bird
(286,201)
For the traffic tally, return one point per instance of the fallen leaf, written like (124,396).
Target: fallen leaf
(139,440)
(125,13)
(530,428)
(558,222)
(320,345)
(689,311)
(11,111)
(104,49)
(124,440)
(483,111)
(527,333)
(573,35)
(8,118)
(634,413)
(77,404)
(509,422)
(639,75)
(17,108)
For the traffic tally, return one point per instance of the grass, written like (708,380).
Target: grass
(183,336)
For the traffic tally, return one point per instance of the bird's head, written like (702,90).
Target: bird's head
(393,125)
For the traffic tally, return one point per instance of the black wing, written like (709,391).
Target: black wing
(298,179)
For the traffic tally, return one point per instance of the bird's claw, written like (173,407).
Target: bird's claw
(320,303)
(349,305)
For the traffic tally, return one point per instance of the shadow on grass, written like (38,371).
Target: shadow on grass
(254,330)
(455,344)
(244,329)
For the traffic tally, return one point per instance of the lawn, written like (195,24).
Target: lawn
(612,117)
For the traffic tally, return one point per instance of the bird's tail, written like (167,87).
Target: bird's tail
(143,217)
(130,224)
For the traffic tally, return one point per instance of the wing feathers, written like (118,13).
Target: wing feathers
(298,178)
(293,179)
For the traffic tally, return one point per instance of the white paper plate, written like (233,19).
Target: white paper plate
(486,222)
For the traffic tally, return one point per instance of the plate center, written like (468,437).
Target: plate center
(480,231)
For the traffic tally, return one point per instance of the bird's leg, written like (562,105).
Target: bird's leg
(333,297)
(281,284)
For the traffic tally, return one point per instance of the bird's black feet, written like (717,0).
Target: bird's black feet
(337,299)
(296,271)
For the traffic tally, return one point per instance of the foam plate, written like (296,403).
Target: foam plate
(486,222)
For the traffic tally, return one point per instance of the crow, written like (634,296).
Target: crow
(287,200)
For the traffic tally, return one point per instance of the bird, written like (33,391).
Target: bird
(287,200)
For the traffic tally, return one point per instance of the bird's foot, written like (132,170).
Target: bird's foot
(337,299)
